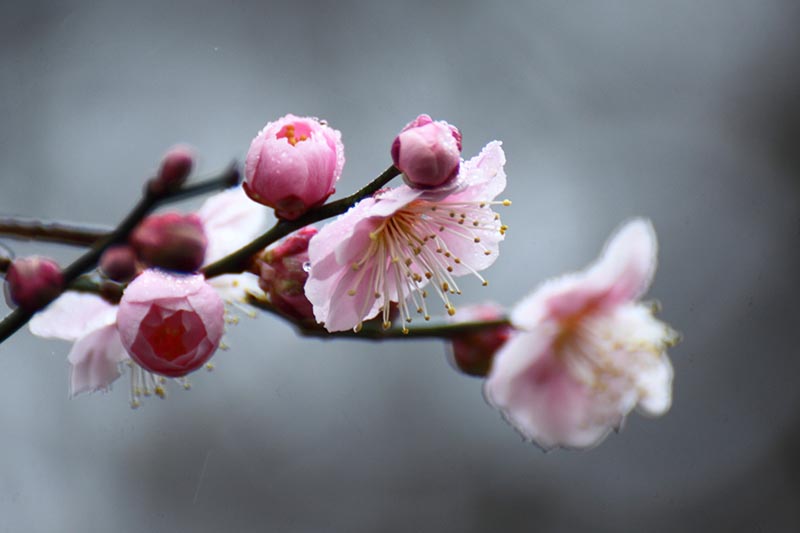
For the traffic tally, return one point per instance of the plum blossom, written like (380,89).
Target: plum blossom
(389,247)
(169,324)
(293,164)
(588,351)
(428,152)
(230,220)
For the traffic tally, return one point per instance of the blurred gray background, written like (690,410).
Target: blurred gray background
(686,112)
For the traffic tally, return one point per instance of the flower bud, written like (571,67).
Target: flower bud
(31,282)
(473,352)
(118,263)
(427,152)
(293,165)
(170,325)
(282,274)
(171,241)
(175,169)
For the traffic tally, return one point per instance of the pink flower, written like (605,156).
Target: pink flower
(31,281)
(293,165)
(170,325)
(388,247)
(230,220)
(588,351)
(428,152)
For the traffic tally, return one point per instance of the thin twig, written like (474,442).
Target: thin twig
(374,331)
(51,230)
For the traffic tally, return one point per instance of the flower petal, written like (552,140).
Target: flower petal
(230,220)
(628,263)
(95,360)
(537,394)
(72,316)
(621,274)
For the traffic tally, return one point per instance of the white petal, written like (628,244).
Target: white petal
(72,316)
(235,287)
(231,220)
(95,360)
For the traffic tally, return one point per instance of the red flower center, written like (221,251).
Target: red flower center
(173,335)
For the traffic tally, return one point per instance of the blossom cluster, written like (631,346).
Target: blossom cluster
(565,367)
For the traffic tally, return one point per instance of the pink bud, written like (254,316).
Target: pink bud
(118,263)
(171,241)
(293,165)
(31,282)
(170,325)
(472,353)
(282,274)
(428,152)
(175,169)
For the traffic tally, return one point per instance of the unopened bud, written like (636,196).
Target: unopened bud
(283,273)
(171,241)
(428,152)
(31,282)
(293,165)
(175,169)
(118,263)
(473,352)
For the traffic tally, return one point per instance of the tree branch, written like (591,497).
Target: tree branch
(149,201)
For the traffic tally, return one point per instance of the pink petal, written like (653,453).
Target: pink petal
(628,263)
(152,283)
(483,177)
(95,360)
(72,316)
(622,273)
(537,394)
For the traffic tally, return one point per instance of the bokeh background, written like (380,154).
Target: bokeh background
(686,112)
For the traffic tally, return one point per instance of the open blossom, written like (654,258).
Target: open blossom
(389,247)
(588,351)
(170,325)
(293,165)
(230,220)
(428,152)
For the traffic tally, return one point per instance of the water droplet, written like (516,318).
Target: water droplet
(307,266)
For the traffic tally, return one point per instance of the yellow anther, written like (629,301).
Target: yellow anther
(506,203)
(351,292)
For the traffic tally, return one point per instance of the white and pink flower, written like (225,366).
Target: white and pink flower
(230,220)
(390,247)
(588,352)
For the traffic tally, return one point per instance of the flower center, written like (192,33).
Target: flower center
(294,133)
(174,335)
(424,242)
(604,349)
